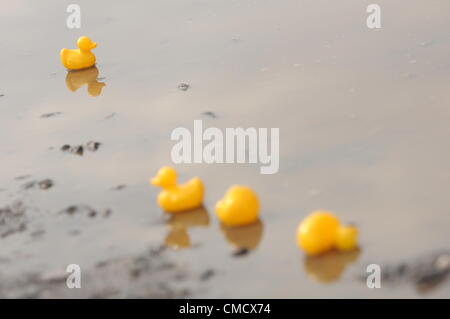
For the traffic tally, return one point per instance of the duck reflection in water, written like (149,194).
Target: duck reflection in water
(329,267)
(244,238)
(179,223)
(76,79)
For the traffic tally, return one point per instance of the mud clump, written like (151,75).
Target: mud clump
(183,86)
(78,150)
(44,184)
(110,116)
(240,252)
(12,219)
(207,274)
(91,146)
(85,210)
(65,147)
(210,114)
(48,115)
(118,187)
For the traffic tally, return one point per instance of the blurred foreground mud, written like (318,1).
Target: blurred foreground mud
(148,275)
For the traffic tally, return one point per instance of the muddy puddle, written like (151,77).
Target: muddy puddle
(363,118)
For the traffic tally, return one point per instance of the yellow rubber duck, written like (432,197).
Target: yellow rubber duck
(239,207)
(75,80)
(321,232)
(177,198)
(81,58)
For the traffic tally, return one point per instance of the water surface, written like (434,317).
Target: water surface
(363,118)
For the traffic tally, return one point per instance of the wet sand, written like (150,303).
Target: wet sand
(363,121)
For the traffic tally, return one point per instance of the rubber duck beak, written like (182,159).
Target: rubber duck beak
(94,45)
(155,181)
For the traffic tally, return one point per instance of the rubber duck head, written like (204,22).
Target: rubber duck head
(165,178)
(86,44)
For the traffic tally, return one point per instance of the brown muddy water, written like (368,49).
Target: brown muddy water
(363,118)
